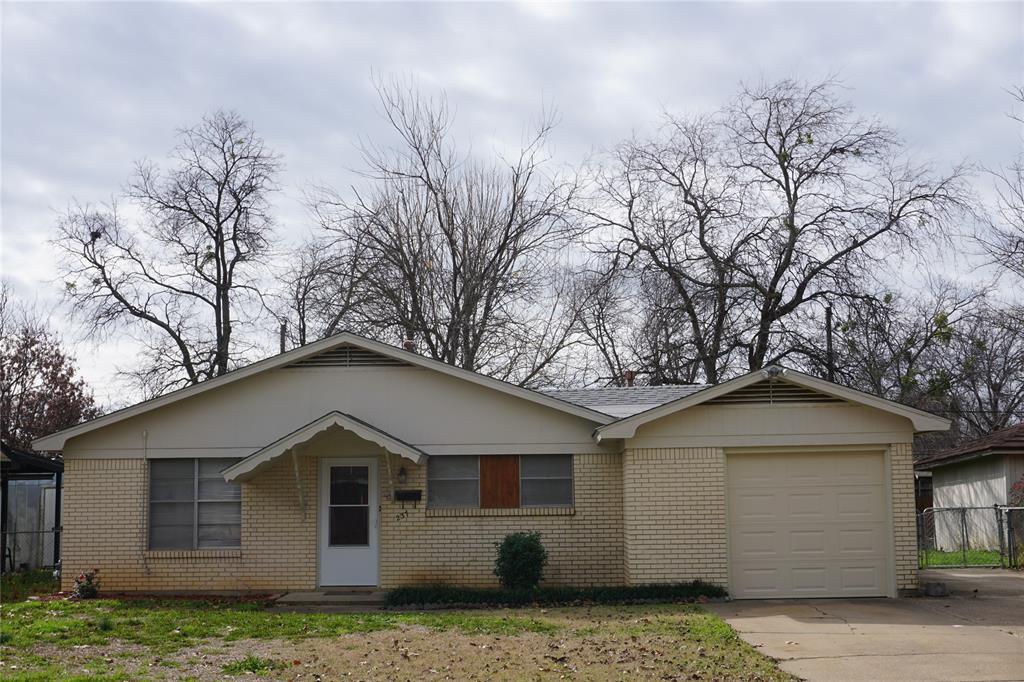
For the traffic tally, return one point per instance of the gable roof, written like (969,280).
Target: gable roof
(1005,441)
(625,401)
(265,455)
(626,428)
(56,441)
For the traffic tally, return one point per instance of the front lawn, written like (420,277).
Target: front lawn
(111,639)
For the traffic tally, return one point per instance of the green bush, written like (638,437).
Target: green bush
(445,595)
(520,562)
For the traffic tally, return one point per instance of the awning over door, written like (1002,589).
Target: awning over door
(252,464)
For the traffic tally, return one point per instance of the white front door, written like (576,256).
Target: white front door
(348,522)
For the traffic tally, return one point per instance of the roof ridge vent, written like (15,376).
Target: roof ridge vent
(347,355)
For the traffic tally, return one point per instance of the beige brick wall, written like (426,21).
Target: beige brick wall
(105,522)
(904,515)
(420,545)
(105,519)
(648,515)
(674,508)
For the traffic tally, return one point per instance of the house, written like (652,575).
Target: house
(30,490)
(349,462)
(975,475)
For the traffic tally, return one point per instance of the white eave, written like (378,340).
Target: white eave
(56,441)
(626,428)
(263,457)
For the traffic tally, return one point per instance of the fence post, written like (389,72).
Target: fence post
(999,531)
(1011,539)
(963,534)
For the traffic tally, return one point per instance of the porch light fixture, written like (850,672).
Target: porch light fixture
(402,477)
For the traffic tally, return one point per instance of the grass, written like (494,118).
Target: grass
(447,595)
(931,558)
(165,626)
(251,664)
(112,640)
(18,586)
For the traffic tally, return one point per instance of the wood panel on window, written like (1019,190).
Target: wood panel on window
(499,481)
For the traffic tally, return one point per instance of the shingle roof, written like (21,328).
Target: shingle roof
(1009,440)
(627,400)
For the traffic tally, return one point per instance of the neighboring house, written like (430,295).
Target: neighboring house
(977,474)
(29,509)
(349,462)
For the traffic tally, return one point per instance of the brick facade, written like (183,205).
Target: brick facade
(904,515)
(647,515)
(675,515)
(279,539)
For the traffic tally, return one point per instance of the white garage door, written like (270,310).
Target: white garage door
(807,525)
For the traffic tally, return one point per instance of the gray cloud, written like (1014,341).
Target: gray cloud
(89,88)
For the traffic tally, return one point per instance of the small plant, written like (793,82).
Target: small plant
(105,623)
(87,584)
(520,562)
(251,664)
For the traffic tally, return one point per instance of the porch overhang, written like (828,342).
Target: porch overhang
(263,457)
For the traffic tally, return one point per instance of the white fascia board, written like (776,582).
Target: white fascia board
(626,428)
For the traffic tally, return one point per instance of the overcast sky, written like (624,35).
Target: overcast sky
(89,88)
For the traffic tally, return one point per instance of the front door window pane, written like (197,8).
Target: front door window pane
(350,526)
(350,485)
(349,520)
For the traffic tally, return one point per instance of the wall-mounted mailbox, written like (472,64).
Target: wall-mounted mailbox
(408,495)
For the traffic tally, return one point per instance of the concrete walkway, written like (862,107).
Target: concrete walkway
(967,636)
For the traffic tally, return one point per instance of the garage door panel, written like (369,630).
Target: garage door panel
(755,506)
(865,503)
(804,505)
(759,544)
(788,538)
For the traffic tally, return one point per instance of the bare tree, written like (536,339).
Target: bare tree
(1004,237)
(184,277)
(895,346)
(782,199)
(461,254)
(986,363)
(324,291)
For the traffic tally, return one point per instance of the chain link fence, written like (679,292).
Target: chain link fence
(956,537)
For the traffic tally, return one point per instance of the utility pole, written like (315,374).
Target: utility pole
(284,334)
(830,358)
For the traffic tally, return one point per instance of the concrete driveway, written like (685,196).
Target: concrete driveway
(977,633)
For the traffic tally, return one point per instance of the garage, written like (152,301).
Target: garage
(808,524)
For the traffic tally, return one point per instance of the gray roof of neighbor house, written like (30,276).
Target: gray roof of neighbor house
(1002,442)
(625,401)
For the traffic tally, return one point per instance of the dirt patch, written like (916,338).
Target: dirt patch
(633,643)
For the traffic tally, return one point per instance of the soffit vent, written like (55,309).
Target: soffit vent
(772,393)
(348,356)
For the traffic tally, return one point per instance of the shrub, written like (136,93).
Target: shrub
(446,595)
(87,585)
(521,560)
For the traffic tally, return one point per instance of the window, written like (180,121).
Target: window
(546,480)
(500,481)
(454,481)
(191,506)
